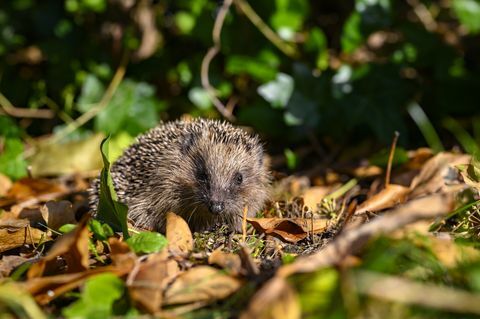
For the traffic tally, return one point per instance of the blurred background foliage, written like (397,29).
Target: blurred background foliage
(342,72)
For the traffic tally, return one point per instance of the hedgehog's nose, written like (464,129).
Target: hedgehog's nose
(216,207)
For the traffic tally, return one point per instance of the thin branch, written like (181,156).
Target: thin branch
(286,48)
(11,110)
(212,52)
(107,96)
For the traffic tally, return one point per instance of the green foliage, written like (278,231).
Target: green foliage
(359,65)
(100,231)
(110,210)
(98,298)
(12,162)
(147,242)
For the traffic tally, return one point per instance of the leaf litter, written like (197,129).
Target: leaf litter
(253,272)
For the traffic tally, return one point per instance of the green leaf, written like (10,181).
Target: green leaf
(98,297)
(468,12)
(277,92)
(8,128)
(352,36)
(259,70)
(110,210)
(147,242)
(291,157)
(185,22)
(91,93)
(66,228)
(381,158)
(12,162)
(99,230)
(200,98)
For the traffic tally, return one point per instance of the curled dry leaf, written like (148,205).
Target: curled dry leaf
(390,196)
(57,214)
(146,282)
(72,246)
(289,229)
(276,300)
(314,195)
(228,261)
(17,232)
(202,283)
(26,188)
(120,253)
(179,236)
(436,173)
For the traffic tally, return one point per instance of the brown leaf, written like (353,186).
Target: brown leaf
(26,188)
(436,173)
(229,261)
(9,263)
(57,214)
(179,236)
(390,196)
(146,283)
(120,253)
(17,232)
(45,289)
(202,283)
(289,229)
(314,195)
(5,185)
(276,300)
(72,246)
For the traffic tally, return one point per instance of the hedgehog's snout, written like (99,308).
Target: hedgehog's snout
(216,207)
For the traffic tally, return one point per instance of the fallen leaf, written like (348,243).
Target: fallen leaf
(57,214)
(46,289)
(146,284)
(5,185)
(17,232)
(26,188)
(179,236)
(289,229)
(276,300)
(314,195)
(202,283)
(390,196)
(9,263)
(436,173)
(73,246)
(228,261)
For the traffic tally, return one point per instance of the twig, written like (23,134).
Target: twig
(244,224)
(11,110)
(107,96)
(212,52)
(286,48)
(390,158)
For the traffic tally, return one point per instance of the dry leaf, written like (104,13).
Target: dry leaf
(146,283)
(178,234)
(5,185)
(289,229)
(314,195)
(72,246)
(9,263)
(17,232)
(276,300)
(229,261)
(436,172)
(390,196)
(26,188)
(202,283)
(45,289)
(57,214)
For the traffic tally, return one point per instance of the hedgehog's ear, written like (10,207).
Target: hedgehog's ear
(188,141)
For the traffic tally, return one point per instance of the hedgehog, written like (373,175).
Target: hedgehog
(206,171)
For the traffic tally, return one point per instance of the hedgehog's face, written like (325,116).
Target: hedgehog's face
(226,178)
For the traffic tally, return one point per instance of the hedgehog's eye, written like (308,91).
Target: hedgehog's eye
(202,177)
(238,178)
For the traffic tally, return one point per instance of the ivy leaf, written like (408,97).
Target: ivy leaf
(147,242)
(110,210)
